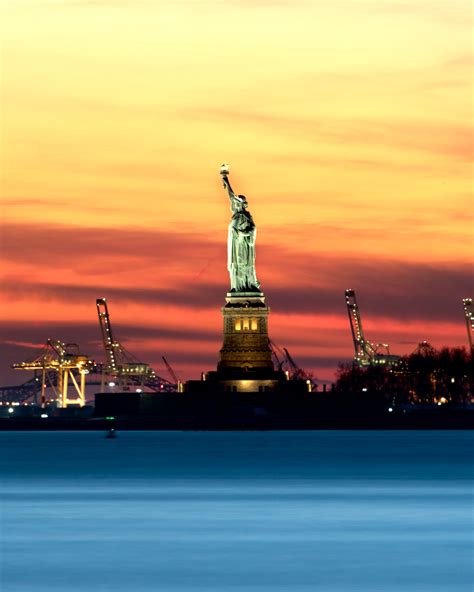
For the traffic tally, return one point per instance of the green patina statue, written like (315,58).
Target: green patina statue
(241,242)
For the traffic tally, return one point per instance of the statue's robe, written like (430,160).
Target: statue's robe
(241,252)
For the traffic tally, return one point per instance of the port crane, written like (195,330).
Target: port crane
(424,349)
(278,354)
(63,369)
(21,393)
(283,357)
(366,353)
(297,373)
(171,371)
(121,365)
(468,313)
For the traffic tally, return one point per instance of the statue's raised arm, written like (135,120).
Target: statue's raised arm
(241,242)
(226,182)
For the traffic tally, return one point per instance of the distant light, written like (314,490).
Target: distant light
(390,410)
(452,380)
(44,415)
(439,403)
(364,390)
(111,384)
(10,410)
(138,390)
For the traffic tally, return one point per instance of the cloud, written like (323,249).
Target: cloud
(464,61)
(441,138)
(455,12)
(297,280)
(58,246)
(179,316)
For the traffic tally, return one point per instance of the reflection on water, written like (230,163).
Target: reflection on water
(239,511)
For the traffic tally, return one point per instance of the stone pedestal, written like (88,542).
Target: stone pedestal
(246,346)
(245,363)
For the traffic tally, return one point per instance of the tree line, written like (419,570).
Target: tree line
(427,376)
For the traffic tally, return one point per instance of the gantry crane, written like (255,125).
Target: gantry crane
(61,366)
(468,313)
(366,352)
(120,364)
(21,393)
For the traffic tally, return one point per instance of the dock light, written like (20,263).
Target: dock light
(390,410)
(111,384)
(10,410)
(44,416)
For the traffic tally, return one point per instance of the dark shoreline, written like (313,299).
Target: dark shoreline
(424,420)
(264,411)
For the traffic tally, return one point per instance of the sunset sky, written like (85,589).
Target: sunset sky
(346,123)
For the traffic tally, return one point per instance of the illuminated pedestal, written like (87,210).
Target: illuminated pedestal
(245,348)
(245,361)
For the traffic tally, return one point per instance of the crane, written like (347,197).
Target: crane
(171,371)
(468,313)
(277,354)
(424,349)
(121,364)
(21,393)
(298,373)
(61,366)
(366,352)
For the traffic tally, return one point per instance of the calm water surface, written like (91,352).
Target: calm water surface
(335,511)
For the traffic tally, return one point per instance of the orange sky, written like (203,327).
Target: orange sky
(347,123)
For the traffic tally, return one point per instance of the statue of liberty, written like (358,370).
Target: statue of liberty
(241,242)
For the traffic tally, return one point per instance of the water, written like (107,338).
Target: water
(322,511)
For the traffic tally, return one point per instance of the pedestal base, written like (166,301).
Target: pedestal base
(246,348)
(245,359)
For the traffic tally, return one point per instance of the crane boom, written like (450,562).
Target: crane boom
(363,349)
(110,345)
(297,373)
(170,370)
(365,352)
(273,348)
(468,313)
(121,364)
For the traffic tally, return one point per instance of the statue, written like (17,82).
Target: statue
(241,242)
